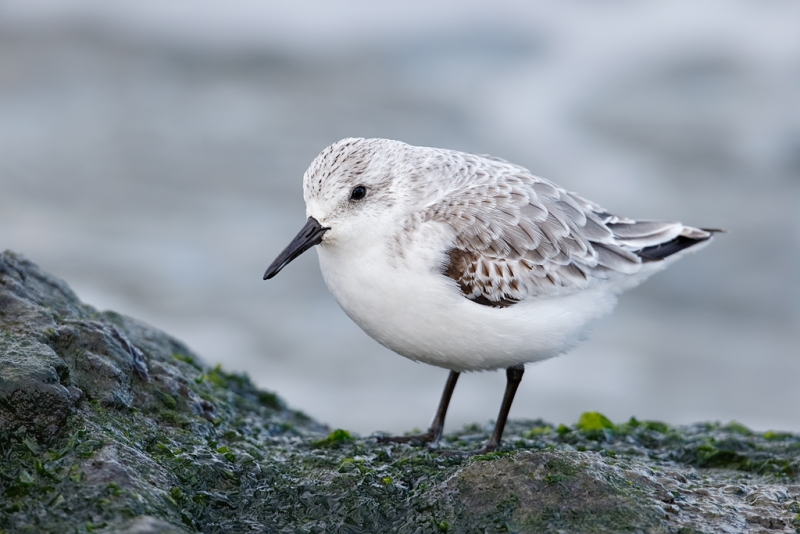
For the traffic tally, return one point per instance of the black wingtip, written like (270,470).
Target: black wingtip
(664,250)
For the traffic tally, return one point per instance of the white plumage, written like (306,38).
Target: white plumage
(439,231)
(469,262)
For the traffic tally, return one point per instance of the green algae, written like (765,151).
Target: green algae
(334,440)
(734,426)
(197,449)
(592,421)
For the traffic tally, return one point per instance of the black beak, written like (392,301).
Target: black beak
(310,235)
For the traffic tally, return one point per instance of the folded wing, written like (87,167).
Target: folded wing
(520,236)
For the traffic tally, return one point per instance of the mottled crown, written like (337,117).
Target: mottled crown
(345,161)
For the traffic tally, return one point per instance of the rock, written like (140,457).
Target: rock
(109,425)
(33,396)
(144,525)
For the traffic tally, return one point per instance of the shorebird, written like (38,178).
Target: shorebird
(469,262)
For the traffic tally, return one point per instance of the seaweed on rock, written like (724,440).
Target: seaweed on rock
(109,425)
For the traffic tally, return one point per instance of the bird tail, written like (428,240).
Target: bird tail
(689,237)
(654,241)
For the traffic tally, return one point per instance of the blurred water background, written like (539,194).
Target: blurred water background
(151,154)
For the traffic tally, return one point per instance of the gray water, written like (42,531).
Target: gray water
(152,156)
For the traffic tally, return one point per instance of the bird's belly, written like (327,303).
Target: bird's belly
(422,315)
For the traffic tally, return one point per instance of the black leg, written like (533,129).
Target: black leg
(513,377)
(435,431)
(437,426)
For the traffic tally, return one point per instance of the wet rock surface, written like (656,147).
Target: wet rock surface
(109,425)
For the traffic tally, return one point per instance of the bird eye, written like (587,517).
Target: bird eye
(358,192)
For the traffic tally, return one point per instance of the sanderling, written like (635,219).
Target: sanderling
(469,262)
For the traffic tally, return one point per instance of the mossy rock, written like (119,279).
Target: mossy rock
(109,425)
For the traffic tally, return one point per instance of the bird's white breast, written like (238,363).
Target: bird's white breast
(405,303)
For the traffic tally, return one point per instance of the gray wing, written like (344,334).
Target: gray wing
(520,236)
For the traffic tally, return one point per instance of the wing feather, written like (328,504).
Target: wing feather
(518,236)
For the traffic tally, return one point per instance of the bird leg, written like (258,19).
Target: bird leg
(513,377)
(437,426)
